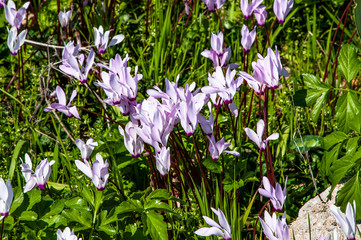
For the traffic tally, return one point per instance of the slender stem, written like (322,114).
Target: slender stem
(2,229)
(268,35)
(199,162)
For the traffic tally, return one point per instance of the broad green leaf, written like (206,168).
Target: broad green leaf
(352,145)
(349,65)
(161,194)
(341,166)
(88,195)
(108,230)
(313,82)
(349,192)
(55,209)
(129,206)
(155,225)
(214,166)
(77,203)
(18,199)
(348,112)
(334,138)
(309,142)
(328,158)
(34,197)
(56,220)
(229,184)
(157,205)
(28,216)
(9,223)
(315,112)
(73,215)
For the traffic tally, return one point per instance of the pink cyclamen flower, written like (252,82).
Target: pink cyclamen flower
(163,161)
(217,148)
(207,125)
(248,38)
(257,137)
(247,9)
(132,142)
(40,176)
(218,55)
(6,198)
(26,167)
(14,17)
(275,228)
(87,148)
(260,14)
(71,65)
(67,234)
(101,39)
(15,41)
(222,229)
(64,18)
(212,5)
(2,3)
(186,6)
(99,174)
(67,109)
(348,221)
(277,196)
(281,9)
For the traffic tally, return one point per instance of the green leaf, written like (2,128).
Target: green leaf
(156,225)
(349,192)
(34,197)
(349,65)
(348,112)
(341,166)
(108,229)
(315,112)
(88,195)
(18,199)
(230,185)
(334,138)
(328,158)
(313,82)
(161,194)
(73,215)
(157,205)
(78,204)
(214,166)
(28,216)
(309,142)
(129,206)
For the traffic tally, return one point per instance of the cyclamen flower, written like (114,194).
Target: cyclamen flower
(132,142)
(207,125)
(347,222)
(26,167)
(247,38)
(186,6)
(274,228)
(281,9)
(219,56)
(257,137)
(71,65)
(68,110)
(266,72)
(163,161)
(67,234)
(222,229)
(87,148)
(64,18)
(15,41)
(99,174)
(277,196)
(260,14)
(247,9)
(6,198)
(2,3)
(40,177)
(14,17)
(212,5)
(217,148)
(101,39)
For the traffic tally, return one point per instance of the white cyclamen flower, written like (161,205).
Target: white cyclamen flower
(6,198)
(347,222)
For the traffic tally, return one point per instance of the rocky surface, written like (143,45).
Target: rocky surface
(321,219)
